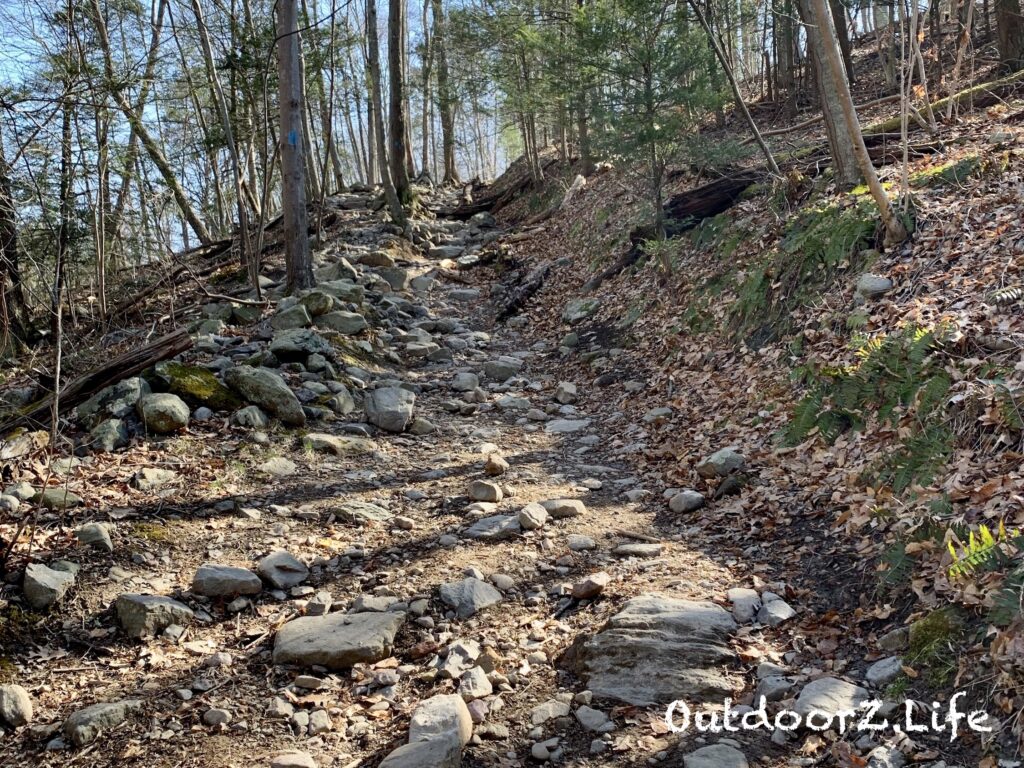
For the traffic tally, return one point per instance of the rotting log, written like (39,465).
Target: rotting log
(38,415)
(518,296)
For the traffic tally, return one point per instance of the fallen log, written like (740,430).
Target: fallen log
(39,414)
(495,197)
(517,297)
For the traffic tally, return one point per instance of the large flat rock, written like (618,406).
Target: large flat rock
(338,640)
(658,649)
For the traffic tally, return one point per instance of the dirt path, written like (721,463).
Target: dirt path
(210,692)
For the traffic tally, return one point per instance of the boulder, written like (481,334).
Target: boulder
(267,390)
(163,412)
(117,401)
(296,316)
(344,290)
(298,344)
(389,408)
(196,386)
(317,303)
(658,649)
(109,435)
(337,640)
(57,498)
(144,615)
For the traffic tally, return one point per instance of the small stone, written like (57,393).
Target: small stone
(495,465)
(591,586)
(214,717)
(319,722)
(579,543)
(481,490)
(548,710)
(745,603)
(566,393)
(686,501)
(871,286)
(592,719)
(715,756)
(143,615)
(293,760)
(149,479)
(775,613)
(884,671)
(562,508)
(15,705)
(282,569)
(474,684)
(45,586)
(469,596)
(214,580)
(83,726)
(163,412)
(532,516)
(279,709)
(721,463)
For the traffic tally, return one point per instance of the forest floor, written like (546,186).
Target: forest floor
(836,530)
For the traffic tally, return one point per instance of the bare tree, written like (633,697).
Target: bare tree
(396,103)
(293,162)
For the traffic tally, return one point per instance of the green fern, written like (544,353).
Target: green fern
(984,551)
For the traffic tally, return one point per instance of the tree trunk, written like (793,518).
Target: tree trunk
(13,309)
(293,163)
(373,72)
(843,35)
(1010,31)
(396,103)
(839,139)
(895,232)
(445,101)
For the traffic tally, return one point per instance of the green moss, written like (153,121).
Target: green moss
(933,641)
(948,174)
(152,532)
(197,386)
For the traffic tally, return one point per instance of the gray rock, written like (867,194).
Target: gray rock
(474,684)
(212,580)
(337,640)
(566,393)
(150,478)
(144,615)
(482,490)
(657,649)
(895,640)
(339,445)
(549,710)
(559,509)
(298,344)
(592,719)
(566,426)
(250,417)
(216,716)
(361,512)
(884,671)
(580,309)
(889,757)
(267,390)
(282,569)
(293,760)
(591,586)
(278,466)
(579,543)
(721,463)
(343,322)
(86,724)
(163,412)
(775,612)
(686,501)
(442,716)
(389,408)
(465,382)
(532,516)
(344,290)
(871,286)
(96,535)
(773,688)
(469,596)
(745,603)
(15,705)
(829,695)
(494,528)
(117,400)
(436,753)
(45,586)
(109,435)
(296,316)
(9,503)
(503,368)
(317,302)
(57,498)
(396,277)
(715,756)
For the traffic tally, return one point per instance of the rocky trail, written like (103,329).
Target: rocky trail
(376,528)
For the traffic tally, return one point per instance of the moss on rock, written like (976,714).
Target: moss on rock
(197,386)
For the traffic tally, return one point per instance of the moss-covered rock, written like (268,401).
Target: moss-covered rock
(196,386)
